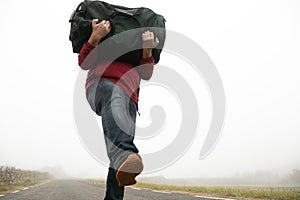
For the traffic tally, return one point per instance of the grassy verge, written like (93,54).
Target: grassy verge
(275,193)
(279,193)
(12,187)
(96,181)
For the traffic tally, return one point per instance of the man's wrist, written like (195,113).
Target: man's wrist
(147,53)
(94,40)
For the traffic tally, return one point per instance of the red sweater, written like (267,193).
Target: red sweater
(125,75)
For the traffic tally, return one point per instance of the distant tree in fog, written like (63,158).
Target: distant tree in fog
(295,176)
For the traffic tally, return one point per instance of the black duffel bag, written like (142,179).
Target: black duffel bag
(121,19)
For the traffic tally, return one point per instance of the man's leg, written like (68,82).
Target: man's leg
(113,191)
(118,113)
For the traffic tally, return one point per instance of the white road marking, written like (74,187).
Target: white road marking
(26,188)
(158,191)
(216,198)
(136,188)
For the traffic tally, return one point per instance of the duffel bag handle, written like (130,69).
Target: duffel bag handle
(80,8)
(115,9)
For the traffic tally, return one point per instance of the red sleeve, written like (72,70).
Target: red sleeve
(89,63)
(146,68)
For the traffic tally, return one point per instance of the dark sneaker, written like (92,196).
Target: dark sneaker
(129,169)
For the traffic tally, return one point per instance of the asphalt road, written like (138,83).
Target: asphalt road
(84,190)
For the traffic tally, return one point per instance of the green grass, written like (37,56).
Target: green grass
(279,193)
(97,181)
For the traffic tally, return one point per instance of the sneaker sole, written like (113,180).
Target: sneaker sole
(127,172)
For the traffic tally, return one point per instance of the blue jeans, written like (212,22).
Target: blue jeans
(118,113)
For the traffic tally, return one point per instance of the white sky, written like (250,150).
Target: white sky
(255,46)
